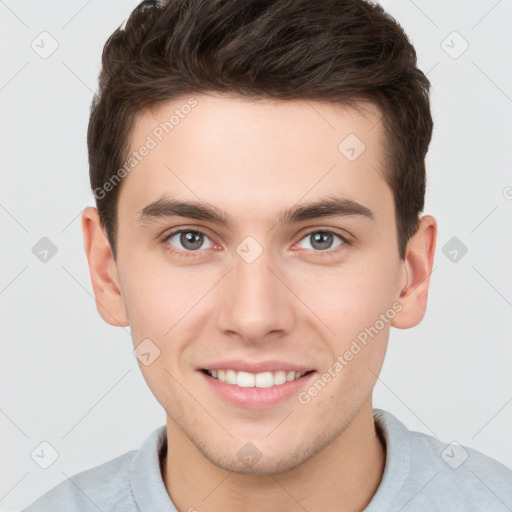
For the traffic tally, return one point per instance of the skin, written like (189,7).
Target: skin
(253,158)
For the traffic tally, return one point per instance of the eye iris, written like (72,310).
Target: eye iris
(321,240)
(193,240)
(191,237)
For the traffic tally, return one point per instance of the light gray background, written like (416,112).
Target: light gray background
(70,379)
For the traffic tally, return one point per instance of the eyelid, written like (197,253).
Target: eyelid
(328,252)
(335,231)
(184,229)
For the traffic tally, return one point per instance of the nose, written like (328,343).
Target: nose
(255,303)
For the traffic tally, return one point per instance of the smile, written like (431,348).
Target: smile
(254,380)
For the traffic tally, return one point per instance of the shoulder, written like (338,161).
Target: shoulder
(118,485)
(463,472)
(431,474)
(100,487)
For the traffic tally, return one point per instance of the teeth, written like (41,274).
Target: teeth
(264,380)
(245,380)
(251,380)
(279,378)
(230,377)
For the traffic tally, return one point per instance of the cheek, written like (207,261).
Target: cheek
(348,298)
(167,306)
(157,296)
(161,299)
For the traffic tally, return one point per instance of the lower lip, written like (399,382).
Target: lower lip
(256,398)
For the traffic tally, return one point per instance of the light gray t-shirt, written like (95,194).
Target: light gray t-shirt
(421,474)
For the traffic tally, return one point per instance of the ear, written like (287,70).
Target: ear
(416,270)
(102,267)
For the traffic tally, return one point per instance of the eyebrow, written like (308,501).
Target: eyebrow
(328,207)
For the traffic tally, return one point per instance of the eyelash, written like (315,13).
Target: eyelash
(192,254)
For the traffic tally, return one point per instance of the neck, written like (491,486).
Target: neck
(348,471)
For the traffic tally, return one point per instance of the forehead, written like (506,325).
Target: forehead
(255,156)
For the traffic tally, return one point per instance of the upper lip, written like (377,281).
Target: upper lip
(257,366)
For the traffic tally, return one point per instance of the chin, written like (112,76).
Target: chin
(262,458)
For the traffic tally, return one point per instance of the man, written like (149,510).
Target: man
(259,175)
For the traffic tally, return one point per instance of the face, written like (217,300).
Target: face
(259,291)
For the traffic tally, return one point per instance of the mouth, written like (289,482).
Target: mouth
(244,379)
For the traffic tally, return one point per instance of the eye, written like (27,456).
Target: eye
(187,240)
(322,240)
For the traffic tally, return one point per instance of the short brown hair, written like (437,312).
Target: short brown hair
(326,50)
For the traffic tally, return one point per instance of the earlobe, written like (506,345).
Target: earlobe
(417,264)
(103,270)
